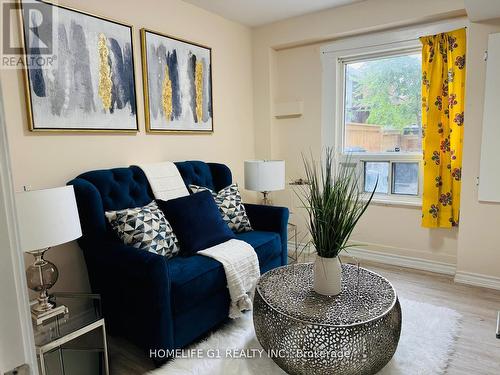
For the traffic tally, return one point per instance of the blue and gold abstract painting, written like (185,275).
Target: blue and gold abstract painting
(90,83)
(177,84)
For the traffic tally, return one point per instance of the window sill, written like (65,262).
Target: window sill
(401,202)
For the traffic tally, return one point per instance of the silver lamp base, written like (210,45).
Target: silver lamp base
(266,201)
(41,276)
(39,317)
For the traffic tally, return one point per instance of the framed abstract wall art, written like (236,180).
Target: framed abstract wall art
(177,78)
(90,84)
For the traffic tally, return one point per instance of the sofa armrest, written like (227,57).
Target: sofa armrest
(135,289)
(271,219)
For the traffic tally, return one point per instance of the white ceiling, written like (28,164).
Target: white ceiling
(479,10)
(259,12)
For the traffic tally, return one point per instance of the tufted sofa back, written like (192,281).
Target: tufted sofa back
(118,188)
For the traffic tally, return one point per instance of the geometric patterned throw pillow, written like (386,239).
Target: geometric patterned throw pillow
(230,206)
(145,228)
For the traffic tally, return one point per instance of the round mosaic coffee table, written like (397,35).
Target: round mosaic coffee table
(356,332)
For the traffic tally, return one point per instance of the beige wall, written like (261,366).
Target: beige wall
(479,233)
(363,17)
(388,229)
(49,160)
(283,58)
(287,67)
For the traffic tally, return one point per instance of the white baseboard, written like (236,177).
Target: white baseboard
(397,260)
(403,261)
(461,277)
(477,279)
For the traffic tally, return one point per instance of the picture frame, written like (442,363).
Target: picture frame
(92,85)
(177,83)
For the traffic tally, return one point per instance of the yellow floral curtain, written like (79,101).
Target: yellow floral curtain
(443,103)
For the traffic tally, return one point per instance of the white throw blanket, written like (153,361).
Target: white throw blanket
(242,272)
(165,180)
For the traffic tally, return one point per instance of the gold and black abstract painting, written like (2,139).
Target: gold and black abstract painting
(79,70)
(177,84)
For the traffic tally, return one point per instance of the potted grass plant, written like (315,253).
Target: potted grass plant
(334,205)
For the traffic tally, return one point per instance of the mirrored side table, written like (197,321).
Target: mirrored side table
(293,240)
(74,343)
(296,250)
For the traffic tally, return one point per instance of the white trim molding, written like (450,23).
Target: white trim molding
(444,268)
(11,244)
(477,279)
(383,38)
(364,253)
(402,261)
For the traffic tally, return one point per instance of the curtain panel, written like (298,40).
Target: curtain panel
(443,103)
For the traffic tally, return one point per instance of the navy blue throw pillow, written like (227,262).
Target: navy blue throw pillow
(196,222)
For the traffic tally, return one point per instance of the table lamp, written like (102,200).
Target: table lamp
(265,176)
(46,218)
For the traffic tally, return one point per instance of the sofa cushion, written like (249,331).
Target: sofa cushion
(145,228)
(196,222)
(196,172)
(267,245)
(120,188)
(196,278)
(230,206)
(193,280)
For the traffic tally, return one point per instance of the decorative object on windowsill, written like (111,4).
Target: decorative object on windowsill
(46,218)
(334,204)
(298,182)
(265,176)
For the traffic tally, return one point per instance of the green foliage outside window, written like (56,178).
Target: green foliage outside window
(387,91)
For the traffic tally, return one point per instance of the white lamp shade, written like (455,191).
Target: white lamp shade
(264,175)
(47,218)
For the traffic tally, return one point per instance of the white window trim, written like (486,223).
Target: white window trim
(368,46)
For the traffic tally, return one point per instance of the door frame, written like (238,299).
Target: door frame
(8,198)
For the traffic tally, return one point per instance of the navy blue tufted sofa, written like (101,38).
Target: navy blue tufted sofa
(154,302)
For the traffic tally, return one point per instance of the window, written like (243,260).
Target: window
(405,178)
(382,106)
(376,173)
(371,108)
(379,121)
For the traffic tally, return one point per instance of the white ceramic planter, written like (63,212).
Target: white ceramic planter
(327,276)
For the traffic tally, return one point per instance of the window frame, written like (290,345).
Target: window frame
(340,60)
(390,197)
(419,178)
(360,158)
(342,81)
(375,44)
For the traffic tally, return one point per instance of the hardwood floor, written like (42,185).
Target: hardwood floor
(477,350)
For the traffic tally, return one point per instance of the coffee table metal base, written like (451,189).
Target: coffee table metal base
(305,347)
